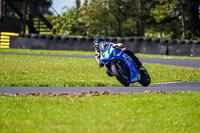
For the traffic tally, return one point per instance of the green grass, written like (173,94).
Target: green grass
(139,113)
(61,52)
(20,70)
(90,53)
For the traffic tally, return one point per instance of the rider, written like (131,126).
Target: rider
(99,42)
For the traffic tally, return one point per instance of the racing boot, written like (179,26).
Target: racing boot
(108,73)
(142,68)
(143,72)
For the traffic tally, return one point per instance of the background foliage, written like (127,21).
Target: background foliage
(151,18)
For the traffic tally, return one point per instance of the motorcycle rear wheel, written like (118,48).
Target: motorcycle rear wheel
(145,79)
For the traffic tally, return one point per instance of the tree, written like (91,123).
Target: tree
(182,16)
(193,9)
(118,9)
(159,18)
(43,6)
(98,18)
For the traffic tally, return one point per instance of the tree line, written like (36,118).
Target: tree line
(174,19)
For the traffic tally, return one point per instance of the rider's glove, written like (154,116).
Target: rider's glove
(125,49)
(118,45)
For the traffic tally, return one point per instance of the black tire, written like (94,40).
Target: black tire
(118,75)
(145,79)
(65,38)
(21,34)
(34,36)
(49,37)
(42,37)
(57,37)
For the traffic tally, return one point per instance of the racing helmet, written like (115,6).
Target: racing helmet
(96,43)
(103,46)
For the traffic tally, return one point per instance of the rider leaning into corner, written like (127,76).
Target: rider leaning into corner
(100,44)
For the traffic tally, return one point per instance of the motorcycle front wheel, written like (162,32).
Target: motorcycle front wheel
(122,77)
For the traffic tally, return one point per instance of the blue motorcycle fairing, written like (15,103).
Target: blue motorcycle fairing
(112,53)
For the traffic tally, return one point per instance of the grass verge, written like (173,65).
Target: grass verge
(20,70)
(89,53)
(172,112)
(61,52)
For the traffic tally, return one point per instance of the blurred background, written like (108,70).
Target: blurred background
(168,19)
(171,19)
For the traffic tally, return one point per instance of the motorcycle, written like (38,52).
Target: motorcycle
(122,66)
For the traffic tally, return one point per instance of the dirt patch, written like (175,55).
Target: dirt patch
(92,93)
(160,92)
(73,95)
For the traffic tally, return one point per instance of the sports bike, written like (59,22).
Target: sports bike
(122,66)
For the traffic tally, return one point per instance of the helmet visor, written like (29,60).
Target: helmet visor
(103,46)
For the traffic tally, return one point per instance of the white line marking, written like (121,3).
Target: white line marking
(168,83)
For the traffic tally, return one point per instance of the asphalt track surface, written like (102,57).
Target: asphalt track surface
(168,87)
(165,87)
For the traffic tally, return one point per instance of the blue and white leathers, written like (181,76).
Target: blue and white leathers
(112,54)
